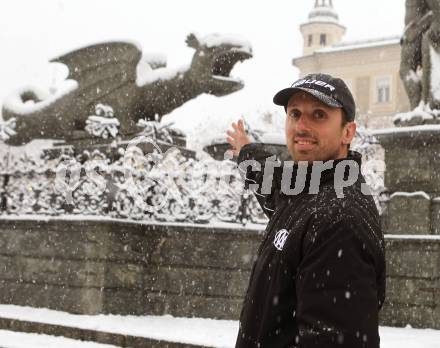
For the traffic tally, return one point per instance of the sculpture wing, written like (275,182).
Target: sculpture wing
(101,64)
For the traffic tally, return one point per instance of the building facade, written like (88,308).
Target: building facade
(370,67)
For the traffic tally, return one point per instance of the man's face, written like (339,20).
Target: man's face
(314,131)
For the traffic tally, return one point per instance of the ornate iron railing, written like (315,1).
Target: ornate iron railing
(135,187)
(154,187)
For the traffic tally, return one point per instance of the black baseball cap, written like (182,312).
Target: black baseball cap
(332,91)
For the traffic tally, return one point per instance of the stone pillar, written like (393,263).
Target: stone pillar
(412,178)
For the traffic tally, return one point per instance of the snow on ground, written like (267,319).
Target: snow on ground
(207,332)
(11,339)
(409,338)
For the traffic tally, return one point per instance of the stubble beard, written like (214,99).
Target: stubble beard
(314,155)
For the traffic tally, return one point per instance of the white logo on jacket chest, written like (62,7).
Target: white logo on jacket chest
(280,239)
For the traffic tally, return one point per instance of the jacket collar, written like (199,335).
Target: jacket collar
(311,176)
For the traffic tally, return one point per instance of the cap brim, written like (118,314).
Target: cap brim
(283,96)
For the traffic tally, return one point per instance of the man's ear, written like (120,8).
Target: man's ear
(349,133)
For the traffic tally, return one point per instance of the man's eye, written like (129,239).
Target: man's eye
(319,114)
(295,114)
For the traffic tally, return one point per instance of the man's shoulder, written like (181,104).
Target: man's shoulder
(326,209)
(354,200)
(330,205)
(357,216)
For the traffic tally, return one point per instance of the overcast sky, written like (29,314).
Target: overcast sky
(34,31)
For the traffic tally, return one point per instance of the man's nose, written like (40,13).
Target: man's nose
(302,123)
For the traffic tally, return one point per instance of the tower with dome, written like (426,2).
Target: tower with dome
(322,28)
(370,67)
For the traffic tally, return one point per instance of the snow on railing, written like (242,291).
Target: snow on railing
(156,186)
(373,164)
(136,186)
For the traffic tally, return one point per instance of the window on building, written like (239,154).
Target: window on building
(310,40)
(383,89)
(323,39)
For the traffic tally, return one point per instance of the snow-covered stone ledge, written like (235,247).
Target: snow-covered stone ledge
(154,331)
(97,266)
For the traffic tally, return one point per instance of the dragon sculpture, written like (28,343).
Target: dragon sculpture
(109,74)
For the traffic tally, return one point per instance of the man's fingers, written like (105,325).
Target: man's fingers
(231,141)
(241,125)
(233,135)
(238,130)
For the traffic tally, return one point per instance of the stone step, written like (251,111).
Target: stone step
(16,339)
(121,330)
(89,335)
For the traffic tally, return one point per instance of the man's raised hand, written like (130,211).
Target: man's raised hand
(237,137)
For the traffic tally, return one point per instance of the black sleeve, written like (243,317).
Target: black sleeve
(257,152)
(337,292)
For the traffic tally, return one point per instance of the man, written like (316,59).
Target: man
(319,276)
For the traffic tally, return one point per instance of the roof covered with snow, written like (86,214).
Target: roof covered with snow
(352,45)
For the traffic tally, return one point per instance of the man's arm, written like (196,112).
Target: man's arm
(266,192)
(252,166)
(338,297)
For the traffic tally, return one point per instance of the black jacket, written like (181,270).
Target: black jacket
(319,276)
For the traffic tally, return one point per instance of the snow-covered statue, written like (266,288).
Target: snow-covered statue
(420,61)
(411,171)
(136,86)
